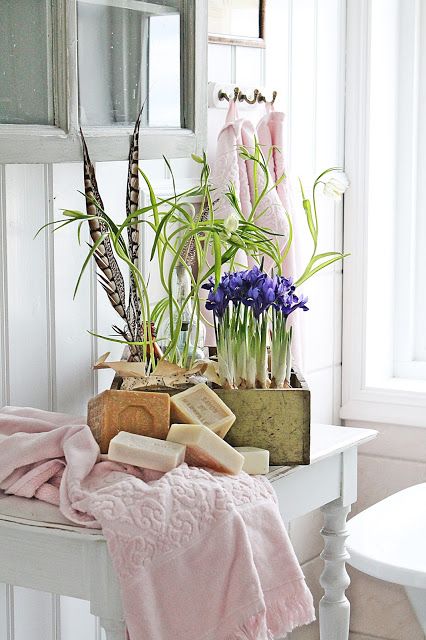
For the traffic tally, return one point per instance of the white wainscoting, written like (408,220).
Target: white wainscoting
(45,351)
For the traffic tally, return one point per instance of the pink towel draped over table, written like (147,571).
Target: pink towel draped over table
(198,555)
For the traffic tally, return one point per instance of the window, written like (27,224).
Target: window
(93,63)
(384,337)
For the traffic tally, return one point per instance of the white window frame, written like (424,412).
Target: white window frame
(391,399)
(61,143)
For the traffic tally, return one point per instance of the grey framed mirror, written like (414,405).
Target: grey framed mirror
(237,22)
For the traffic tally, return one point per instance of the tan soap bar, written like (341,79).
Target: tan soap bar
(201,405)
(142,451)
(206,449)
(141,412)
(256,461)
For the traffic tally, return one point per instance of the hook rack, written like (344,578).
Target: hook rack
(242,97)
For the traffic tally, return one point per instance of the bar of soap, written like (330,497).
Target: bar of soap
(201,405)
(206,449)
(142,451)
(141,412)
(256,461)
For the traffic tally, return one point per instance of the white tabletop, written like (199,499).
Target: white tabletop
(328,440)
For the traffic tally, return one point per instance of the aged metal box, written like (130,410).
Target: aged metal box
(274,419)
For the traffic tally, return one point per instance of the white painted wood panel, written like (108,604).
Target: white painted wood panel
(303,88)
(28,307)
(220,62)
(3,612)
(32,614)
(75,348)
(4,338)
(249,67)
(77,621)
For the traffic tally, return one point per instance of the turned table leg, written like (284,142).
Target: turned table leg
(334,606)
(114,629)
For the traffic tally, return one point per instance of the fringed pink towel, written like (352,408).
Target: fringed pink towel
(199,555)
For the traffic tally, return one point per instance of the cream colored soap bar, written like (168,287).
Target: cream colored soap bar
(201,405)
(142,451)
(256,461)
(206,449)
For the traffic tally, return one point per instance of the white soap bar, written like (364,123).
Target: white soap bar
(256,461)
(201,405)
(206,449)
(146,452)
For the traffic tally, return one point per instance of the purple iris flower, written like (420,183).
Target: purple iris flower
(255,289)
(286,300)
(298,303)
(261,294)
(217,301)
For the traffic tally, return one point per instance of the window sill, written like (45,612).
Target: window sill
(399,401)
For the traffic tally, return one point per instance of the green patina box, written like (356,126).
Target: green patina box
(275,419)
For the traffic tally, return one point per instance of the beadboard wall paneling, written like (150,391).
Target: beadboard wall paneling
(28,306)
(76,621)
(33,615)
(4,351)
(74,347)
(3,612)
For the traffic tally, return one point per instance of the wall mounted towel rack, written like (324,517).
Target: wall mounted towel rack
(220,95)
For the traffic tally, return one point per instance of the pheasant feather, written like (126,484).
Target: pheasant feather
(132,203)
(110,276)
(104,256)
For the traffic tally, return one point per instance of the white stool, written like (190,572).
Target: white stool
(388,541)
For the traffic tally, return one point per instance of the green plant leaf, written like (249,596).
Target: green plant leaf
(87,260)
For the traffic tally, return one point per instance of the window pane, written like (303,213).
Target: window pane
(129,54)
(25,62)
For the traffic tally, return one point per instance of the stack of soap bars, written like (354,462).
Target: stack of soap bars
(134,428)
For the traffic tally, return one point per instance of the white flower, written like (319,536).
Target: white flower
(231,222)
(336,185)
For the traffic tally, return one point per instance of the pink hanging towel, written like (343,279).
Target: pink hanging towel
(198,555)
(229,168)
(270,213)
(270,134)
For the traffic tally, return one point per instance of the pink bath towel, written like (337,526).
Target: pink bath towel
(229,168)
(270,135)
(199,555)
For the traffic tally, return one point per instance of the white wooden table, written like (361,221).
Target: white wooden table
(70,561)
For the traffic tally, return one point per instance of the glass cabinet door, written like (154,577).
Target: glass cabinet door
(94,64)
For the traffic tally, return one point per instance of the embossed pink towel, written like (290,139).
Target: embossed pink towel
(199,555)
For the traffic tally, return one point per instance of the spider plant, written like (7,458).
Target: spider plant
(190,243)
